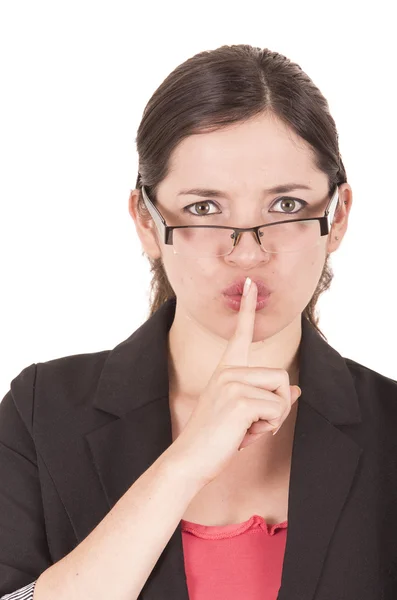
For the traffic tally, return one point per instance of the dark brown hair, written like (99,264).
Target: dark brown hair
(217,88)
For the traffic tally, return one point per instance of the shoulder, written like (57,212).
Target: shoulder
(55,386)
(380,389)
(64,371)
(362,373)
(69,372)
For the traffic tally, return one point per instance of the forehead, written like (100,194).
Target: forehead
(261,152)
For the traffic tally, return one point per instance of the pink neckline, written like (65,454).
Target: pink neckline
(212,532)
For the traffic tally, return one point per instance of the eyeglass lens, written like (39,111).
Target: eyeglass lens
(278,237)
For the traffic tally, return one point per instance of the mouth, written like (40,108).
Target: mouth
(234,301)
(235,290)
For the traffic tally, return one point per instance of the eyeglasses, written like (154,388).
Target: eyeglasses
(200,241)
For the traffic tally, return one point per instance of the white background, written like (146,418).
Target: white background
(75,77)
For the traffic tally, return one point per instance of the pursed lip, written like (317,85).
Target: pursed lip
(236,288)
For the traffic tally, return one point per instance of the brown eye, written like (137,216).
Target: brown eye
(288,205)
(202,210)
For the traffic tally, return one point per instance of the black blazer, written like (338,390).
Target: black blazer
(76,432)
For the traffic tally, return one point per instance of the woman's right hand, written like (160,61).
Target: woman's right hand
(238,406)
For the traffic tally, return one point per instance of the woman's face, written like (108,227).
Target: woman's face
(243,161)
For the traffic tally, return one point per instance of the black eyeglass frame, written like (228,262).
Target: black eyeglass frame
(166,231)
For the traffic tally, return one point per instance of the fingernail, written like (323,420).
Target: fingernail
(276,430)
(247,286)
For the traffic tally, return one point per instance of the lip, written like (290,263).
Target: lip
(234,302)
(236,288)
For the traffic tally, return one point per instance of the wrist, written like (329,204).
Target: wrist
(178,467)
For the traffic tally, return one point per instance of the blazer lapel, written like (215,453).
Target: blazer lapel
(134,387)
(324,462)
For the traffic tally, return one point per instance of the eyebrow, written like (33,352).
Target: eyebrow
(278,189)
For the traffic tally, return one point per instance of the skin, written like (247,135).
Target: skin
(242,160)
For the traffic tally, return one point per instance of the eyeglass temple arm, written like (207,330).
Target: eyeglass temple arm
(332,206)
(156,216)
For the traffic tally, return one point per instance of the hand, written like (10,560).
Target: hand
(238,406)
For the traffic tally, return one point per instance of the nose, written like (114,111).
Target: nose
(247,252)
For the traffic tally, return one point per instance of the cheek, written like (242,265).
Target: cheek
(190,277)
(300,273)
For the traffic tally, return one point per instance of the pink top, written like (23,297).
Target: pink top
(242,560)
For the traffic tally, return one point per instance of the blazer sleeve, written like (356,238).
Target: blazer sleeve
(25,593)
(24,552)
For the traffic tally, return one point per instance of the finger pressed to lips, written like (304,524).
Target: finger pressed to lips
(237,350)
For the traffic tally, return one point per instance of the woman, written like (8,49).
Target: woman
(120,469)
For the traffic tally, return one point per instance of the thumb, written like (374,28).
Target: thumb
(295,393)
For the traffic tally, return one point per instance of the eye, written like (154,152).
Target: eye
(200,204)
(288,202)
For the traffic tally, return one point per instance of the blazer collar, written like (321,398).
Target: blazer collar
(140,363)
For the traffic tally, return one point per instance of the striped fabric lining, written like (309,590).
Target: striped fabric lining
(25,593)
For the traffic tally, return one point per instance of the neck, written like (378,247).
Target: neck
(194,353)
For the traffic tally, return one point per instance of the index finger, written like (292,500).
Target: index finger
(237,350)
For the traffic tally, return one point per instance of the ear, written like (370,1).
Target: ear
(341,217)
(145,228)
